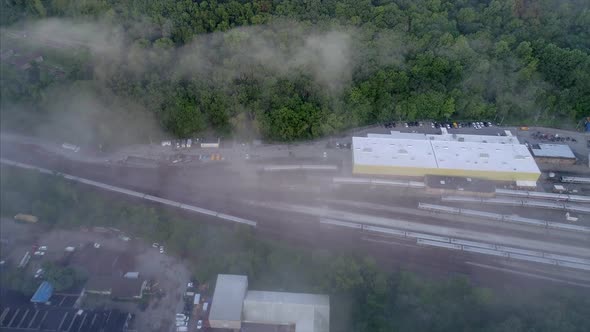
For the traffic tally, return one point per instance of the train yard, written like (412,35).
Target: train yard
(294,198)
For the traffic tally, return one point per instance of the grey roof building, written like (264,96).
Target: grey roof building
(227,302)
(234,307)
(553,153)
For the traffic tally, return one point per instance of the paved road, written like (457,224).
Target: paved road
(231,187)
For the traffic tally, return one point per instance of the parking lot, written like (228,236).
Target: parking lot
(167,273)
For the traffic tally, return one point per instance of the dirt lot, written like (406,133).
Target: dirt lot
(170,274)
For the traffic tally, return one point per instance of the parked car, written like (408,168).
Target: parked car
(39,273)
(199,324)
(155,245)
(161,249)
(43,248)
(39,253)
(180,316)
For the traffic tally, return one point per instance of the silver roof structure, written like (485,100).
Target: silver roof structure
(445,136)
(553,151)
(443,153)
(309,312)
(228,297)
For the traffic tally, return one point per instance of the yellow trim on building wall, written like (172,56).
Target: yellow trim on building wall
(419,171)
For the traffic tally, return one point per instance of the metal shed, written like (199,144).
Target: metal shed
(43,293)
(228,299)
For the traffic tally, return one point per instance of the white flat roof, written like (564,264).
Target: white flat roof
(553,151)
(484,157)
(475,138)
(449,137)
(441,153)
(284,297)
(309,312)
(228,297)
(398,152)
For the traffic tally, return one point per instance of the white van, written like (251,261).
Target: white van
(205,306)
(71,147)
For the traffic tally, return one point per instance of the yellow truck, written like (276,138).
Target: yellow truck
(25,218)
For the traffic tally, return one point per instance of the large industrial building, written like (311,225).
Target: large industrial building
(308,312)
(500,158)
(234,307)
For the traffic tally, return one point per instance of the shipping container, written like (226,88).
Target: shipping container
(27,218)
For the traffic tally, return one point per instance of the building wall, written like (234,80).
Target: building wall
(418,171)
(225,324)
(558,161)
(307,318)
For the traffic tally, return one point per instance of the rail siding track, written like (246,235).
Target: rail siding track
(134,193)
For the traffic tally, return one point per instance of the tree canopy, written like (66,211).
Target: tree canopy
(290,70)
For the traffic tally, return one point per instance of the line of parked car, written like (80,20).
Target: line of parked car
(179,143)
(552,137)
(192,302)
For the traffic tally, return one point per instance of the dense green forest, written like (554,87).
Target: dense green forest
(292,69)
(364,296)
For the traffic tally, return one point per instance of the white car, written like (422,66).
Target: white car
(71,147)
(96,245)
(161,249)
(39,273)
(180,323)
(43,248)
(39,253)
(180,316)
(189,285)
(155,245)
(199,324)
(189,143)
